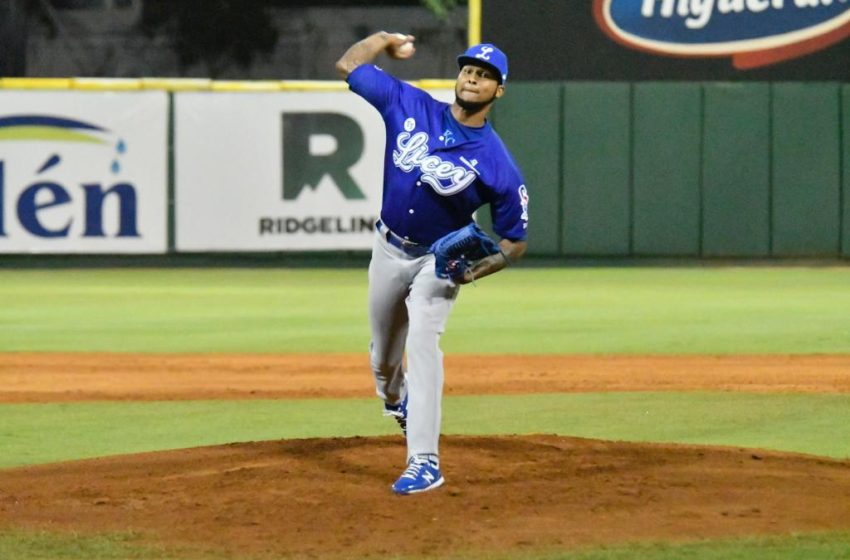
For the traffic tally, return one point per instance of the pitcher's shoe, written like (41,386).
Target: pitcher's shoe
(399,412)
(420,475)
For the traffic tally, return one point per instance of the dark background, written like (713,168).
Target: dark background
(560,40)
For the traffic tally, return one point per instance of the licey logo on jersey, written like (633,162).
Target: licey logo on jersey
(753,32)
(444,177)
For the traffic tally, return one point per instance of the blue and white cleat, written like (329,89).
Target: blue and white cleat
(420,475)
(399,412)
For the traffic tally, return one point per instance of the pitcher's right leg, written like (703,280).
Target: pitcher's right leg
(388,288)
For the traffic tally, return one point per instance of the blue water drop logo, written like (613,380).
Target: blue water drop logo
(121,149)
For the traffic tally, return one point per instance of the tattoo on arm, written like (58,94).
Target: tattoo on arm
(362,52)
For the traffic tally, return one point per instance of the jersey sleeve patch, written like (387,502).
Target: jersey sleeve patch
(510,214)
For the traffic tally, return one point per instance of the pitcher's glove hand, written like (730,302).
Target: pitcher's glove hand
(458,251)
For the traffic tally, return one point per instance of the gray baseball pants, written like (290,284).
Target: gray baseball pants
(408,309)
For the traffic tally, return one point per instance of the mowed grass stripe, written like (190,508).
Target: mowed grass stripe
(42,433)
(520,311)
(74,546)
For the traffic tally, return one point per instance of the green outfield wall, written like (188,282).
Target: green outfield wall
(683,168)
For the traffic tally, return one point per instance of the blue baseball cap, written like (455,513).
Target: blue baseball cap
(486,55)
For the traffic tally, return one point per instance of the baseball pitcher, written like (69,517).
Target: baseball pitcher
(441,163)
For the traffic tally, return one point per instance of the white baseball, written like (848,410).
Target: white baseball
(406,48)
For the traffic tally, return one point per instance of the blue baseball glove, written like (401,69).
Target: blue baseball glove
(458,251)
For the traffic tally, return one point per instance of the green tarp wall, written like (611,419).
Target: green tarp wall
(682,169)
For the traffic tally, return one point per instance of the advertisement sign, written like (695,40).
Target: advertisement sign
(83,172)
(672,40)
(752,32)
(287,171)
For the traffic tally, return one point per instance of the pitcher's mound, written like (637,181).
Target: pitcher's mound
(331,497)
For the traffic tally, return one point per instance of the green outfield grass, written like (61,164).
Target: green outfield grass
(521,311)
(607,310)
(48,546)
(795,547)
(816,424)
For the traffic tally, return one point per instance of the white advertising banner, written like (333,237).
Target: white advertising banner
(83,172)
(287,171)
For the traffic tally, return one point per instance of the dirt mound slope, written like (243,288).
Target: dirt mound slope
(331,497)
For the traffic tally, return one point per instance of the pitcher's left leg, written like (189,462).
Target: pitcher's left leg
(429,304)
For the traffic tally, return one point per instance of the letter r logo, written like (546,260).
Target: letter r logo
(319,144)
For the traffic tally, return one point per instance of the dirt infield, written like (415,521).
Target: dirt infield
(72,377)
(331,498)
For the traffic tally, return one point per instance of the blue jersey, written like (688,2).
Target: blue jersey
(437,172)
